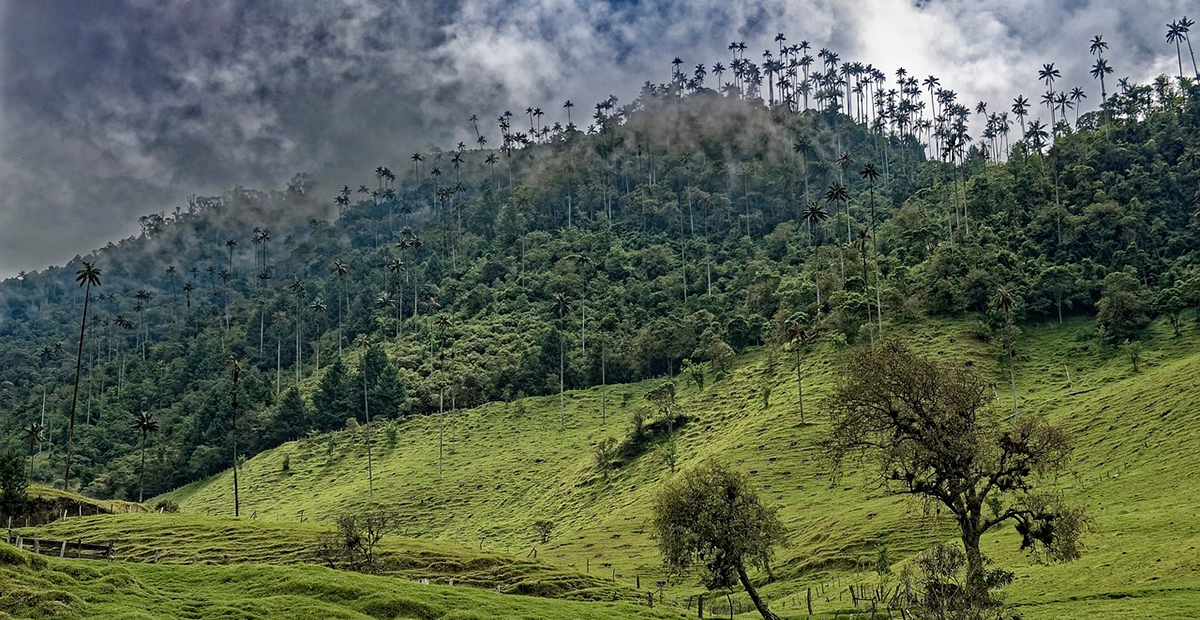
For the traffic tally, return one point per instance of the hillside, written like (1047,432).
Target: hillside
(194,539)
(507,465)
(34,587)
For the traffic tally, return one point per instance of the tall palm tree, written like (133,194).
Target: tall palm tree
(397,267)
(87,277)
(297,288)
(1005,300)
(443,325)
(33,434)
(814,215)
(1077,96)
(1048,74)
(871,174)
(561,307)
(235,370)
(144,423)
(837,193)
(230,244)
(1184,25)
(339,270)
(318,308)
(1176,37)
(797,333)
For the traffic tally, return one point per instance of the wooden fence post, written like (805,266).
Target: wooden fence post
(650,599)
(810,601)
(62,550)
(700,606)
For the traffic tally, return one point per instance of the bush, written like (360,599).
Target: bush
(166,505)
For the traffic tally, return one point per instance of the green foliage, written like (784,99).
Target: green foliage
(13,483)
(710,518)
(1123,310)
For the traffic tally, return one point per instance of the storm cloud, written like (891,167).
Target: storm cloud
(113,109)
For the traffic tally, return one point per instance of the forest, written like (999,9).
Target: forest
(796,200)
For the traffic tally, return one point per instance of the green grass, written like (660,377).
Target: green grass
(193,539)
(35,587)
(507,464)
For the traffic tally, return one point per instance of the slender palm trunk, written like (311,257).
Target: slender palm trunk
(562,403)
(800,384)
(87,296)
(367,416)
(142,472)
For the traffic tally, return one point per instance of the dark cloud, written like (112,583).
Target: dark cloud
(109,110)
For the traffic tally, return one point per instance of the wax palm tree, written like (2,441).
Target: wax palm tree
(87,277)
(1048,74)
(235,371)
(298,289)
(561,307)
(443,325)
(397,267)
(491,162)
(1184,26)
(814,215)
(1077,96)
(1005,300)
(416,159)
(1099,70)
(1176,37)
(837,193)
(318,308)
(34,435)
(339,270)
(144,423)
(188,287)
(802,147)
(797,333)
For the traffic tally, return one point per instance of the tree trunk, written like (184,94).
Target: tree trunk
(799,384)
(87,295)
(976,590)
(759,604)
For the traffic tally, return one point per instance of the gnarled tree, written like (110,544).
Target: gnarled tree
(930,431)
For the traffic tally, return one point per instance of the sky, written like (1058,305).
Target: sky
(112,109)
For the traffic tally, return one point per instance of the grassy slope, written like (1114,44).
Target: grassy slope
(34,587)
(192,539)
(507,464)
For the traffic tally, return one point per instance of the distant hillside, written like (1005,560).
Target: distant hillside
(507,465)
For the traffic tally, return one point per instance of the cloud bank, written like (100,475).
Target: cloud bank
(110,110)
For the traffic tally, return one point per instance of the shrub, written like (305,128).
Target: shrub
(166,505)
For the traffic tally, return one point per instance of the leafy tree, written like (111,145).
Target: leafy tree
(381,380)
(1123,309)
(543,527)
(13,483)
(605,455)
(1169,303)
(292,418)
(1133,349)
(335,397)
(709,517)
(930,431)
